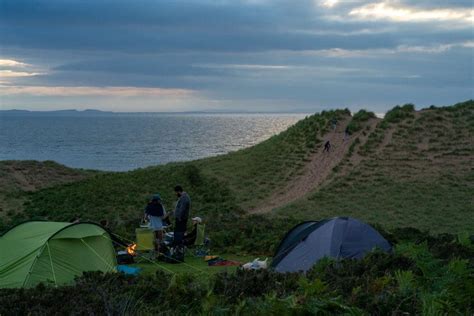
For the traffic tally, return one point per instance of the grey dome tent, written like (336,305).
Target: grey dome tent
(340,237)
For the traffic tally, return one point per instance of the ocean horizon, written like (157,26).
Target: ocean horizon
(114,141)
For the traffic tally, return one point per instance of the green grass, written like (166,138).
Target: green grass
(192,265)
(393,203)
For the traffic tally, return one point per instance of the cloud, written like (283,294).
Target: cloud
(329,3)
(399,13)
(245,66)
(92,91)
(401,49)
(13,74)
(248,54)
(11,63)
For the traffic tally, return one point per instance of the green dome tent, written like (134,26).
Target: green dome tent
(53,252)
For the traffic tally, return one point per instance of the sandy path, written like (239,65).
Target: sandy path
(314,173)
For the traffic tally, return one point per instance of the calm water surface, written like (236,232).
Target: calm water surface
(128,141)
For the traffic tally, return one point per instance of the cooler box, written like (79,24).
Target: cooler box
(145,239)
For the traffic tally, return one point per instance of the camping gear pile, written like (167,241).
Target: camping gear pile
(338,238)
(216,261)
(53,253)
(125,257)
(256,264)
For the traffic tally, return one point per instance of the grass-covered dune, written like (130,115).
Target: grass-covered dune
(410,169)
(415,169)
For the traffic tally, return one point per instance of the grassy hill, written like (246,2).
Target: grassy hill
(20,177)
(411,169)
(415,169)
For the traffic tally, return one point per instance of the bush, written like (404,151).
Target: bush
(399,113)
(358,119)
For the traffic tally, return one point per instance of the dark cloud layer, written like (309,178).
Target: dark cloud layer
(300,53)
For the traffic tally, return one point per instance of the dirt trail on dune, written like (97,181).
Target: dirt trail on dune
(315,172)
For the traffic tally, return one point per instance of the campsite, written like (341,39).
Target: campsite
(374,235)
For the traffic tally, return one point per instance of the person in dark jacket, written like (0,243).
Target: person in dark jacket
(181,214)
(327,146)
(347,133)
(155,212)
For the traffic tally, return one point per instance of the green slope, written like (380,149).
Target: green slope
(401,183)
(18,177)
(421,176)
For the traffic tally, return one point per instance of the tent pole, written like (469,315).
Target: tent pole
(52,267)
(92,249)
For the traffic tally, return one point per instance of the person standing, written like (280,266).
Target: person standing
(155,211)
(347,133)
(327,146)
(181,215)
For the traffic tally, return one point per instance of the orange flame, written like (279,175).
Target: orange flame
(131,249)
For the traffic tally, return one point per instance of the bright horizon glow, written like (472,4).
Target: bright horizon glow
(92,91)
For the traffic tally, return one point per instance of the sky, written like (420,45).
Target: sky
(234,55)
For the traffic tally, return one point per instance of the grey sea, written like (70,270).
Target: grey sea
(120,142)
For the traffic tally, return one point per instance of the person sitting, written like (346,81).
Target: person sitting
(191,238)
(155,211)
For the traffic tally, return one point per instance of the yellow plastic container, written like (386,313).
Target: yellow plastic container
(144,239)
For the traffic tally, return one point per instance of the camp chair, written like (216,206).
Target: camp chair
(145,239)
(201,244)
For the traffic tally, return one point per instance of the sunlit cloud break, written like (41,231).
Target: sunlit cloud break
(12,74)
(329,3)
(244,66)
(92,91)
(398,13)
(11,63)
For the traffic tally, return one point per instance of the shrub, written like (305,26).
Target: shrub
(399,113)
(358,119)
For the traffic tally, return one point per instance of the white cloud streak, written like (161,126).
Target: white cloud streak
(14,74)
(93,91)
(398,13)
(11,63)
(401,49)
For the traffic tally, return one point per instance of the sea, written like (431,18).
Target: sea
(122,142)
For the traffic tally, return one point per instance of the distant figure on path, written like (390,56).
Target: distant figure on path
(334,123)
(327,146)
(347,133)
(181,214)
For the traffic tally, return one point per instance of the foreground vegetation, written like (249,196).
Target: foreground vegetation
(424,275)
